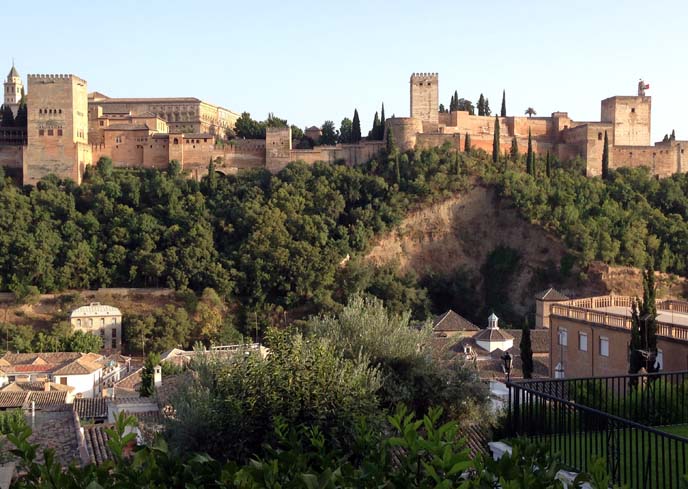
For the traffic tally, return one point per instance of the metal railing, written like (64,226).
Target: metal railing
(629,420)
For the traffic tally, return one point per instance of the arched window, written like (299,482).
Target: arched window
(176,141)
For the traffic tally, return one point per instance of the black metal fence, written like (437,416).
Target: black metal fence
(632,421)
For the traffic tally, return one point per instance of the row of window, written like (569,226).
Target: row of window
(603,347)
(49,111)
(8,89)
(89,322)
(51,132)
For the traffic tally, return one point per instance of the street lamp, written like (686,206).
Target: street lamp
(508,361)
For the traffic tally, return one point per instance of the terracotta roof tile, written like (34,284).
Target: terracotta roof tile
(90,408)
(96,438)
(10,400)
(551,295)
(451,321)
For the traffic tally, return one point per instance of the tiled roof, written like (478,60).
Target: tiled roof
(129,384)
(44,400)
(78,367)
(30,358)
(125,126)
(13,72)
(10,400)
(551,295)
(451,321)
(539,339)
(56,430)
(23,386)
(96,438)
(89,408)
(492,334)
(95,309)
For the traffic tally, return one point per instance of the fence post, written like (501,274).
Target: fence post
(517,409)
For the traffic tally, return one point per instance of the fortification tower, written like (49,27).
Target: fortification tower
(425,98)
(57,128)
(277,148)
(13,89)
(630,118)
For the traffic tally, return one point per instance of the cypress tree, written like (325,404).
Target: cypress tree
(486,108)
(481,105)
(503,112)
(22,112)
(7,116)
(375,131)
(212,177)
(605,157)
(356,128)
(390,145)
(514,150)
(673,135)
(548,165)
(495,142)
(530,160)
(526,351)
(467,144)
(382,121)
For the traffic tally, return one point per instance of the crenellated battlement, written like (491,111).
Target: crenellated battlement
(54,77)
(424,76)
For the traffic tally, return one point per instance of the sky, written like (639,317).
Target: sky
(314,61)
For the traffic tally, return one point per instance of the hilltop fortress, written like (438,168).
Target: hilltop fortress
(69,128)
(625,119)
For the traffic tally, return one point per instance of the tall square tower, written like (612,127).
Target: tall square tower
(425,97)
(57,128)
(631,119)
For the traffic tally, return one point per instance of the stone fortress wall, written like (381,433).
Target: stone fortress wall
(626,119)
(68,129)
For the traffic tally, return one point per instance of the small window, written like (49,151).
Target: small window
(50,132)
(59,132)
(63,380)
(176,141)
(102,123)
(599,136)
(40,111)
(583,341)
(41,132)
(604,346)
(563,337)
(78,323)
(632,110)
(60,111)
(102,321)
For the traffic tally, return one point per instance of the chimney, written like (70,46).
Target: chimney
(157,376)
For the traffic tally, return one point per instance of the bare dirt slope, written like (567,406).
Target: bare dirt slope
(461,231)
(52,308)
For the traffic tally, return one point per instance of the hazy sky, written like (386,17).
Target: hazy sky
(312,61)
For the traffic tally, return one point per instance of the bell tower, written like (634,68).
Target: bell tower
(13,89)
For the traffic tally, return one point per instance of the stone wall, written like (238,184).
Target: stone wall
(12,156)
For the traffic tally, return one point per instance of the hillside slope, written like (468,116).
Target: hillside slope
(462,231)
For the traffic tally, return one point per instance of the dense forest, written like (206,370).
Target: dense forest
(290,243)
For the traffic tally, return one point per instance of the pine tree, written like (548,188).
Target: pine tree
(488,111)
(526,351)
(7,116)
(467,144)
(356,128)
(503,111)
(495,142)
(548,165)
(530,160)
(481,105)
(513,154)
(605,157)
